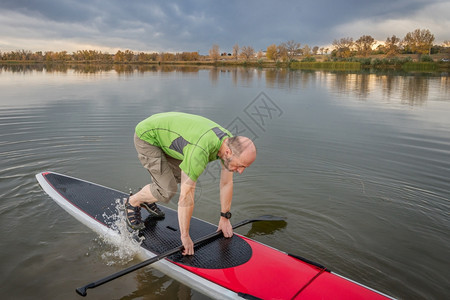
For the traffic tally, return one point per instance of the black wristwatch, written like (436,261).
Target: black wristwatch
(225,215)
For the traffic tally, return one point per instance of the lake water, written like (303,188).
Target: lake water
(358,163)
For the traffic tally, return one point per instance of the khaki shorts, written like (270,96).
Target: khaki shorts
(164,170)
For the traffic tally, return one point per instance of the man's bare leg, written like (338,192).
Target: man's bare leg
(145,199)
(143,196)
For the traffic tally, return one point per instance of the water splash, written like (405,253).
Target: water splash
(123,247)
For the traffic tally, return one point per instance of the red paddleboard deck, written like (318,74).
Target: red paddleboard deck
(232,268)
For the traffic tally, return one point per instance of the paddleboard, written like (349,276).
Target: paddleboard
(233,268)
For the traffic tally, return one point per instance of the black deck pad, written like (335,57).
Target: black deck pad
(99,202)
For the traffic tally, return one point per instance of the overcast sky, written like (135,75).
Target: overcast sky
(176,26)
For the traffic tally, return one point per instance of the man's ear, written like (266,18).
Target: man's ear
(228,152)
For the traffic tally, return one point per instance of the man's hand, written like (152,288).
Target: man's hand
(225,226)
(188,245)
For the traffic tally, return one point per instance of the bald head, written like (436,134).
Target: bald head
(243,148)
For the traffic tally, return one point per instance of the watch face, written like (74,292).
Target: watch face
(226,215)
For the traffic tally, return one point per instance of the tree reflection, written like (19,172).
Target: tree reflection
(412,89)
(415,90)
(408,88)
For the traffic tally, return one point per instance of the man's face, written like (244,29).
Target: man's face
(235,164)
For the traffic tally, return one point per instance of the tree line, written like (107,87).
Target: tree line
(120,56)
(419,41)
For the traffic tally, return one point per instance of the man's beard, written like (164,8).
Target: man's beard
(226,164)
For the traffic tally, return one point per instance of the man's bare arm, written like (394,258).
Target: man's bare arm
(226,196)
(185,210)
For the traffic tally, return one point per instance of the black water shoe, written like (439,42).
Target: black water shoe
(133,216)
(153,210)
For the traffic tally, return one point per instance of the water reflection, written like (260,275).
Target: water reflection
(410,89)
(152,285)
(265,228)
(415,90)
(238,75)
(95,68)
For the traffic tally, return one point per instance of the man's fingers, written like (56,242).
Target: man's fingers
(228,234)
(188,252)
(188,246)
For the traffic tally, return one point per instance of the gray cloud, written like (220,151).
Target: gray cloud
(196,25)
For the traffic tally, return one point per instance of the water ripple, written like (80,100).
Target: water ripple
(361,178)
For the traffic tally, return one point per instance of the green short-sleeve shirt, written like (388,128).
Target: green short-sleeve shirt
(193,139)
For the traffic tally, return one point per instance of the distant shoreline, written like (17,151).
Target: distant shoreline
(435,63)
(374,63)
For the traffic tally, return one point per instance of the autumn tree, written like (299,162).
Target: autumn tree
(364,45)
(259,55)
(126,56)
(419,41)
(119,56)
(50,56)
(392,46)
(306,51)
(283,52)
(166,56)
(343,47)
(272,52)
(247,52)
(323,50)
(129,55)
(19,55)
(315,50)
(292,49)
(214,52)
(145,57)
(189,56)
(236,51)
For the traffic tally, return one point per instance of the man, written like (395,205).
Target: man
(176,148)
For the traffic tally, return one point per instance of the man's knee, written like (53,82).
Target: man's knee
(167,195)
(163,194)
